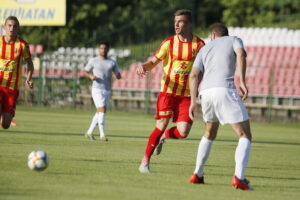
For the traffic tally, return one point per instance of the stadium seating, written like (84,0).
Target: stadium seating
(62,62)
(273,66)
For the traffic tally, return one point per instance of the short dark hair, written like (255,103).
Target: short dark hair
(185,12)
(12,18)
(104,43)
(219,29)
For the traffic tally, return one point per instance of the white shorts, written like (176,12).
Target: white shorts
(222,105)
(100,97)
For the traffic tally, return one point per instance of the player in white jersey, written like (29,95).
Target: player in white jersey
(100,70)
(215,64)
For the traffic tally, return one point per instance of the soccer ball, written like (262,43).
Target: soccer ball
(38,160)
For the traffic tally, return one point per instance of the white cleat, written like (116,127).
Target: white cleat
(90,137)
(103,138)
(144,168)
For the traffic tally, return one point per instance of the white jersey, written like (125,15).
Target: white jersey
(102,69)
(217,61)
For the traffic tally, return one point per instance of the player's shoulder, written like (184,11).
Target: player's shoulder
(110,59)
(22,41)
(94,59)
(168,40)
(198,39)
(238,39)
(232,38)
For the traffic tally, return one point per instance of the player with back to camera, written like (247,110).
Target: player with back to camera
(177,53)
(13,49)
(215,64)
(100,70)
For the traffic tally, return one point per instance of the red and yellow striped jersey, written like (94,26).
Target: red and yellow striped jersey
(178,59)
(11,55)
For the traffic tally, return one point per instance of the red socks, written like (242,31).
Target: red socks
(152,143)
(173,133)
(155,137)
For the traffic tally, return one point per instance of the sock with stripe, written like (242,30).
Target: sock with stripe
(152,143)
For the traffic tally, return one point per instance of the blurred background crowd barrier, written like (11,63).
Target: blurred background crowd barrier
(273,76)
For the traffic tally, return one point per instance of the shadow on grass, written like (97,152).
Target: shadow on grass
(45,133)
(19,192)
(146,137)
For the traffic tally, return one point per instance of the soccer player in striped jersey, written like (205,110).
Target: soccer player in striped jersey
(177,53)
(13,50)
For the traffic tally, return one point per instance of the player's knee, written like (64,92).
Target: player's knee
(162,124)
(184,132)
(210,135)
(248,135)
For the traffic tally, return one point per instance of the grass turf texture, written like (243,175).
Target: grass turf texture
(82,169)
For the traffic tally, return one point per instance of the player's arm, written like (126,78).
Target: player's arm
(30,69)
(241,70)
(117,75)
(88,69)
(195,79)
(116,71)
(147,66)
(89,75)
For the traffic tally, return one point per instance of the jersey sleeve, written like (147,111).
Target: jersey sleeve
(26,52)
(198,63)
(238,44)
(162,50)
(89,66)
(116,68)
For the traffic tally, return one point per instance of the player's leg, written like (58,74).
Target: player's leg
(184,123)
(6,119)
(101,122)
(242,153)
(93,125)
(155,136)
(163,114)
(232,111)
(210,133)
(8,99)
(153,141)
(181,117)
(102,113)
(180,131)
(101,99)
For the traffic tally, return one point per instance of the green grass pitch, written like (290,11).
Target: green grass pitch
(81,169)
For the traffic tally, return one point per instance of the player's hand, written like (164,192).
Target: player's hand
(140,70)
(29,84)
(192,110)
(92,77)
(244,91)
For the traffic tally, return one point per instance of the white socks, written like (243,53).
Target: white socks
(98,119)
(202,155)
(101,122)
(242,154)
(93,124)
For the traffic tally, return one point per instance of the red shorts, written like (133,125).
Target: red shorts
(173,106)
(8,100)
